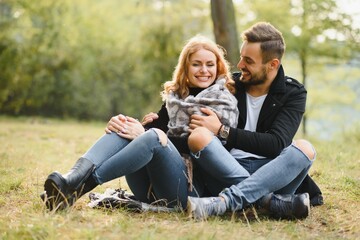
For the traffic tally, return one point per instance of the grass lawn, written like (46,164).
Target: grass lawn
(31,148)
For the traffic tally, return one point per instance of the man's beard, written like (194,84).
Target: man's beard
(256,79)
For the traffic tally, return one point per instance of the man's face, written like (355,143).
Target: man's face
(254,72)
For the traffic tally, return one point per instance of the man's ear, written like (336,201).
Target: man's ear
(274,63)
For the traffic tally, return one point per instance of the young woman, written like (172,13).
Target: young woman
(151,160)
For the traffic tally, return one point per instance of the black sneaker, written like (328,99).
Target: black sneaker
(290,206)
(201,208)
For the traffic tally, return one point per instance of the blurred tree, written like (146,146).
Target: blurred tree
(321,31)
(32,63)
(6,48)
(91,59)
(162,41)
(225,31)
(315,31)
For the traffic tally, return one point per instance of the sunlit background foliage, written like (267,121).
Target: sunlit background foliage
(91,59)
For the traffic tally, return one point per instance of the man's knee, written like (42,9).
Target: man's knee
(199,138)
(306,147)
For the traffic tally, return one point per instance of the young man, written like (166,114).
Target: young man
(264,165)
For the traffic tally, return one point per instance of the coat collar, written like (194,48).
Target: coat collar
(278,85)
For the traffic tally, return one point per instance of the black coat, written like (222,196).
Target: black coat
(279,118)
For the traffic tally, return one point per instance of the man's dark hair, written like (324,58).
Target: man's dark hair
(271,41)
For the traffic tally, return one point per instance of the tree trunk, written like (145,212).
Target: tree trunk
(225,31)
(303,72)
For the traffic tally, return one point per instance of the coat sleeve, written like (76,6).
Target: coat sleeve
(161,122)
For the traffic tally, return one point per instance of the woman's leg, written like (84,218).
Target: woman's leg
(105,147)
(140,185)
(63,190)
(153,152)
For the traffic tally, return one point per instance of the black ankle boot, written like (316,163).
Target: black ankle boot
(287,206)
(61,191)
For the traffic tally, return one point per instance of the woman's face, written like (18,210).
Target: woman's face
(202,70)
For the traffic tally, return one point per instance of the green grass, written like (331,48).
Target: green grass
(31,148)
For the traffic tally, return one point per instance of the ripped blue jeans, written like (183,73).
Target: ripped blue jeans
(146,163)
(244,181)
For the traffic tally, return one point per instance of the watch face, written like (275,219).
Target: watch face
(224,132)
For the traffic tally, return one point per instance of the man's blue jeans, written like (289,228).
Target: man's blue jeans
(247,180)
(145,162)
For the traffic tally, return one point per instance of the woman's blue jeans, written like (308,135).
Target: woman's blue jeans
(247,180)
(146,163)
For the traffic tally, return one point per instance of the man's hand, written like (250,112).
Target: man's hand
(148,118)
(211,121)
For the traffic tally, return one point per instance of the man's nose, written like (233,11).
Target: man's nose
(240,64)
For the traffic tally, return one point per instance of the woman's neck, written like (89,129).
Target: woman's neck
(195,90)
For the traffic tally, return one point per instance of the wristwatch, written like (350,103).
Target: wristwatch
(224,132)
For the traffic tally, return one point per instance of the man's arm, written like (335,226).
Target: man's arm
(275,130)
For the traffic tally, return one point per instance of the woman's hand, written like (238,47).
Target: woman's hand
(211,121)
(132,129)
(148,118)
(116,124)
(124,126)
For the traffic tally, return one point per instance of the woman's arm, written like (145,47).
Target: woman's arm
(160,122)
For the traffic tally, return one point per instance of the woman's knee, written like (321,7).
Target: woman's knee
(199,138)
(163,139)
(306,147)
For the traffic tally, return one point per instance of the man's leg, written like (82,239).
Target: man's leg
(219,167)
(288,167)
(309,151)
(222,169)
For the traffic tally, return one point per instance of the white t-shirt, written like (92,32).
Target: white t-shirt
(253,106)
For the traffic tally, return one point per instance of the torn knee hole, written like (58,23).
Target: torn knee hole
(162,137)
(306,147)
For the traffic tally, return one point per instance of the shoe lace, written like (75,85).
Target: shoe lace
(213,206)
(281,207)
